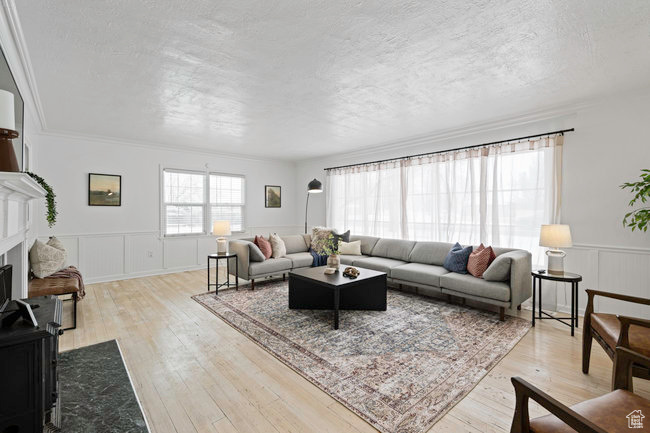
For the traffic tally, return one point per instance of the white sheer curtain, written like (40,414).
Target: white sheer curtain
(499,195)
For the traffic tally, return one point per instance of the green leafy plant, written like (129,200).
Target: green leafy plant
(638,218)
(327,245)
(49,197)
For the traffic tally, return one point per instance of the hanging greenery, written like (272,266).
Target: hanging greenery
(639,218)
(49,197)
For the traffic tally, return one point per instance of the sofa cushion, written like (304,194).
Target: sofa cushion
(295,243)
(381,264)
(277,244)
(457,258)
(268,266)
(350,248)
(431,253)
(341,237)
(264,245)
(419,273)
(393,249)
(254,252)
(479,260)
(300,260)
(349,260)
(499,269)
(465,283)
(367,243)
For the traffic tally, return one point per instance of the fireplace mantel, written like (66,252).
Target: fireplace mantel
(16,191)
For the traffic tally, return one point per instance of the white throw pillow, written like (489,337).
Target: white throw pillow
(45,259)
(277,245)
(56,243)
(350,248)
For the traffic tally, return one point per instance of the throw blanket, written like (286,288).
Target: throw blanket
(72,272)
(319,260)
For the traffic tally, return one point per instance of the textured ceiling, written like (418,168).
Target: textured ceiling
(295,79)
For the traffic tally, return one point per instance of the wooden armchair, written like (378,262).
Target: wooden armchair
(611,331)
(610,413)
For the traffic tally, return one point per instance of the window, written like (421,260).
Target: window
(227,200)
(191,202)
(498,195)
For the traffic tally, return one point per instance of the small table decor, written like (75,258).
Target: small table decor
(564,277)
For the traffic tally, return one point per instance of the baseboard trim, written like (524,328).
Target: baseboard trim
(130,276)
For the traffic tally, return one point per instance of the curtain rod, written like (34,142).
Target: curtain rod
(562,131)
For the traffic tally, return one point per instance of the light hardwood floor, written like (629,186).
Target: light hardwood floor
(194,373)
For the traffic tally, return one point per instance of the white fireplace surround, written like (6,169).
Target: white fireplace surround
(17,190)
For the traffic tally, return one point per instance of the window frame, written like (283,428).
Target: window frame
(206,204)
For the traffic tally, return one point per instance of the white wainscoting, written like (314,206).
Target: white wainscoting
(117,256)
(607,268)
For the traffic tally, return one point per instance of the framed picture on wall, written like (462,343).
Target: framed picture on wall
(104,189)
(272,196)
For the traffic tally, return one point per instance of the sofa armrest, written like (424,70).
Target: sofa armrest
(521,283)
(241,248)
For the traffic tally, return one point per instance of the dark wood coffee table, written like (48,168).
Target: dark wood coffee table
(311,289)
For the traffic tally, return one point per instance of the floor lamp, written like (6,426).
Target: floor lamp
(314,187)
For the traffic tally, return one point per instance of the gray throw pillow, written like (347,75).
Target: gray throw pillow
(499,269)
(256,255)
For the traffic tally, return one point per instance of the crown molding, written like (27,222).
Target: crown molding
(22,69)
(90,138)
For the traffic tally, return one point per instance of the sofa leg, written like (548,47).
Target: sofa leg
(449,298)
(252,284)
(284,277)
(400,286)
(502,313)
(519,307)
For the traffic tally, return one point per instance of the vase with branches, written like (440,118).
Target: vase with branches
(638,218)
(328,245)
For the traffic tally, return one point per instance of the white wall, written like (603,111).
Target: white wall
(118,242)
(610,145)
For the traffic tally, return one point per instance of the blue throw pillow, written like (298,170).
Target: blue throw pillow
(457,258)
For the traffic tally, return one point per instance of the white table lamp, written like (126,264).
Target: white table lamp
(555,236)
(221,229)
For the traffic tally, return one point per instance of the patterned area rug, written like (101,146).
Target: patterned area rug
(400,370)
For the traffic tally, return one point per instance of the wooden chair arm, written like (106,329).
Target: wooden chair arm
(591,293)
(623,338)
(624,360)
(521,421)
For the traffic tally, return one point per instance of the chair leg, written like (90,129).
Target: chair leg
(502,314)
(76,299)
(587,339)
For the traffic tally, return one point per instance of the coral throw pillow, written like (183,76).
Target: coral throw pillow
(479,260)
(264,246)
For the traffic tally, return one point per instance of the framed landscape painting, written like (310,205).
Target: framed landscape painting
(273,196)
(104,189)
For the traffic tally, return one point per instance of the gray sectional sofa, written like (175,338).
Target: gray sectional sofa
(412,263)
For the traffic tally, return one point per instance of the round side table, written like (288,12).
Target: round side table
(566,277)
(216,258)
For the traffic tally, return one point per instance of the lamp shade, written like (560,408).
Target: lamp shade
(221,228)
(555,236)
(315,186)
(7,114)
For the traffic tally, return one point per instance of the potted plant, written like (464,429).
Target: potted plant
(639,218)
(329,246)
